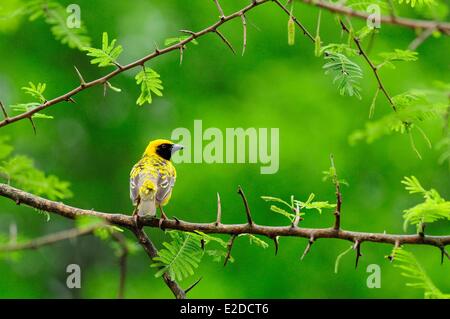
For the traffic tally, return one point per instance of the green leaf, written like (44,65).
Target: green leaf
(25,107)
(397,55)
(365,31)
(417,277)
(56,16)
(209,238)
(107,55)
(173,40)
(432,209)
(281,211)
(219,255)
(413,107)
(179,257)
(342,48)
(20,171)
(36,91)
(150,83)
(420,2)
(346,73)
(255,240)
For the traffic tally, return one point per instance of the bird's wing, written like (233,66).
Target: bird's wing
(134,183)
(140,173)
(166,181)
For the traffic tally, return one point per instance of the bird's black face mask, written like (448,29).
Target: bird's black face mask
(166,150)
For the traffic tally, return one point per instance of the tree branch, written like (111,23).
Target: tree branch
(49,239)
(68,96)
(444,27)
(120,239)
(371,64)
(152,252)
(337,212)
(19,196)
(157,52)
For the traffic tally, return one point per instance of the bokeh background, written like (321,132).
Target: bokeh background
(94,143)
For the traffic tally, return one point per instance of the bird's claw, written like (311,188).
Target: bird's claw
(137,221)
(162,219)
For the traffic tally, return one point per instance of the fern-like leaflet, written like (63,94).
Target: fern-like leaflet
(20,170)
(179,257)
(432,209)
(56,16)
(412,270)
(346,73)
(296,206)
(396,56)
(107,55)
(150,82)
(412,3)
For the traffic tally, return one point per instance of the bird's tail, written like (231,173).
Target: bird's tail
(147,203)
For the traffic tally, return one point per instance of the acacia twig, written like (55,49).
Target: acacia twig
(244,37)
(444,27)
(373,67)
(152,252)
(425,34)
(391,255)
(411,23)
(120,239)
(222,16)
(157,52)
(48,239)
(5,114)
(337,212)
(298,23)
(126,221)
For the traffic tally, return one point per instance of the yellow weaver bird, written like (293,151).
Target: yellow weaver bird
(152,179)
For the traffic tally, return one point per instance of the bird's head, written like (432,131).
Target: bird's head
(162,148)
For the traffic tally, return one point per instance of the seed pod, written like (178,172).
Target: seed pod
(317,46)
(291,31)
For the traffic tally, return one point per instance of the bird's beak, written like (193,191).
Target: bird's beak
(176,147)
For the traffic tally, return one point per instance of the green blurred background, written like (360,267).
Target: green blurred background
(94,143)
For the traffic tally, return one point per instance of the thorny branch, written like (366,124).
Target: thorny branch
(120,239)
(68,96)
(71,234)
(373,67)
(49,239)
(337,212)
(140,62)
(414,24)
(272,232)
(152,252)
